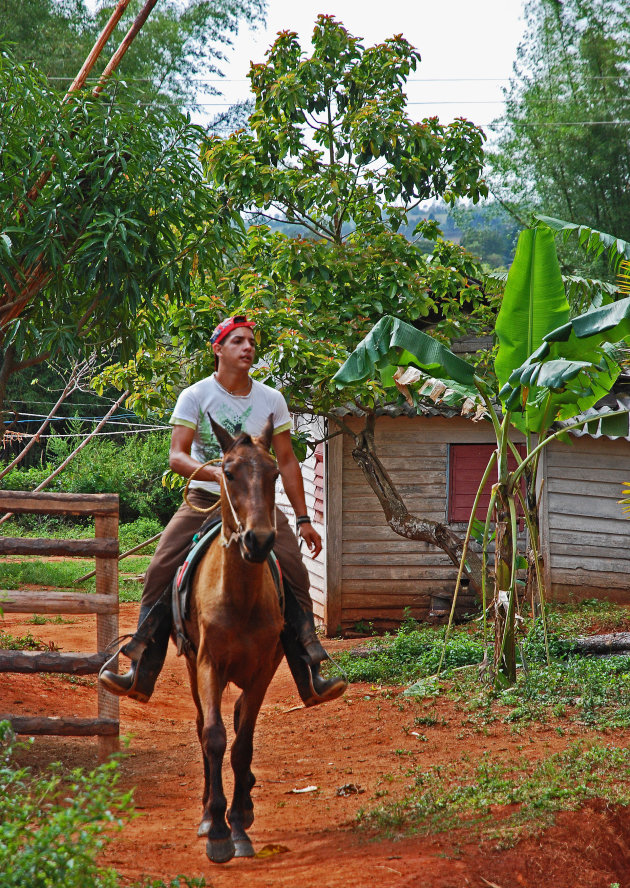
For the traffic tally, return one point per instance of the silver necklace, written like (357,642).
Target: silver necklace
(244,388)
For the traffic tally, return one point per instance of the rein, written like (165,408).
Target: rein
(237,534)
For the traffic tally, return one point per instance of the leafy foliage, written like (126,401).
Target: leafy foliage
(180,43)
(562,147)
(50,830)
(132,469)
(115,233)
(331,149)
(53,825)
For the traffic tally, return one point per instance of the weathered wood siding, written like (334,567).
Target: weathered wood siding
(588,547)
(316,566)
(381,574)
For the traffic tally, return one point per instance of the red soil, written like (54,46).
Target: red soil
(364,739)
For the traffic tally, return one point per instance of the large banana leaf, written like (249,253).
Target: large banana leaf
(573,367)
(534,301)
(392,343)
(591,240)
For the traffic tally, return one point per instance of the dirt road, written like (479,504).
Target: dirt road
(366,742)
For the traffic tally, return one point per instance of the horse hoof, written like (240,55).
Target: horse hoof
(204,828)
(220,850)
(243,848)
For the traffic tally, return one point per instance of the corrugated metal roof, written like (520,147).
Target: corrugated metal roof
(598,426)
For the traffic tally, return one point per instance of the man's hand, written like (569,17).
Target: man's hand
(311,538)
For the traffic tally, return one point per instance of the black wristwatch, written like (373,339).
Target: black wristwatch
(302,519)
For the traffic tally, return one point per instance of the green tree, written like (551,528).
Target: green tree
(332,150)
(563,142)
(110,240)
(180,43)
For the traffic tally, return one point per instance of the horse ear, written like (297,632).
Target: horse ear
(264,439)
(224,438)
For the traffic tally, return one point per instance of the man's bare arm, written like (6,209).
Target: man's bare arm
(180,460)
(294,488)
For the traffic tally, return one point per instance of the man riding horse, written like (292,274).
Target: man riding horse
(238,403)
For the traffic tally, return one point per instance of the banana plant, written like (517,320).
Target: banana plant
(548,368)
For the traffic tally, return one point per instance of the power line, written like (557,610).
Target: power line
(98,434)
(463,79)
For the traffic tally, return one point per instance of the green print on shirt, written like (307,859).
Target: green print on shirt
(209,444)
(232,422)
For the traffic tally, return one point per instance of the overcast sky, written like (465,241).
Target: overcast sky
(467,48)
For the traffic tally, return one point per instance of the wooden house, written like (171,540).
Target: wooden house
(368,574)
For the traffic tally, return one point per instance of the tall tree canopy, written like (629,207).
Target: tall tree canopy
(331,148)
(564,147)
(181,42)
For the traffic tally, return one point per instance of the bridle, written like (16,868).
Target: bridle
(236,535)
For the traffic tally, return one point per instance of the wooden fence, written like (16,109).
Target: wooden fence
(103,603)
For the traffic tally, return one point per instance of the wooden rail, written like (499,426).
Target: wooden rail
(104,603)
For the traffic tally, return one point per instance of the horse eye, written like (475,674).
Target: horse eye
(228,475)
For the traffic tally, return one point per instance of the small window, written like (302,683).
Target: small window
(467,463)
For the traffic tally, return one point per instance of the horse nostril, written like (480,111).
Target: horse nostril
(259,543)
(271,538)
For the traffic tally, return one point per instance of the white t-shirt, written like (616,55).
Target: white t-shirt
(236,413)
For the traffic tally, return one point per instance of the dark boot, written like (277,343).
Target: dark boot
(147,651)
(304,653)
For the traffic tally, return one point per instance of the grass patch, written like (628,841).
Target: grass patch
(130,535)
(62,575)
(588,690)
(445,798)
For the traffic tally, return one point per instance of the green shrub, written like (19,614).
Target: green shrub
(413,652)
(53,826)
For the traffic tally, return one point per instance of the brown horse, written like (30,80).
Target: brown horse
(234,625)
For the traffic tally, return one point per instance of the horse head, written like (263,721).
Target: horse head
(248,488)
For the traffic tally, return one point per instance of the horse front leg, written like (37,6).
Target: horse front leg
(241,813)
(219,847)
(204,826)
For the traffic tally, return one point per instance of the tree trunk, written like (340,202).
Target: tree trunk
(601,645)
(398,516)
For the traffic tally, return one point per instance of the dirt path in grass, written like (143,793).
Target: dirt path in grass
(365,740)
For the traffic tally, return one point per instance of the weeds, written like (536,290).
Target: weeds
(444,798)
(26,642)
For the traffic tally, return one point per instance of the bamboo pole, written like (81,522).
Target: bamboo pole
(131,34)
(36,281)
(69,458)
(88,64)
(77,84)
